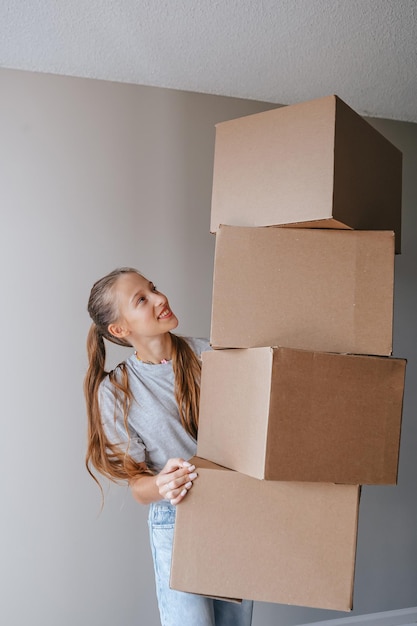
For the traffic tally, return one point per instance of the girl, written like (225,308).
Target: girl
(142,424)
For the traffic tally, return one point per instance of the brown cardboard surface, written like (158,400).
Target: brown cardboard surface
(327,290)
(295,415)
(313,162)
(291,543)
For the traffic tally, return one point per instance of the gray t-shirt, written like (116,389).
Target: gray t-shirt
(154,424)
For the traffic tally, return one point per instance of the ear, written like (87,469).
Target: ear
(118,331)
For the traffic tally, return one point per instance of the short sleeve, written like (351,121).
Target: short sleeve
(199,344)
(113,423)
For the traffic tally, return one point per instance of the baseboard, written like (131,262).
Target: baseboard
(401,617)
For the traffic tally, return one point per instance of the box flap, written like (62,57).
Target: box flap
(236,444)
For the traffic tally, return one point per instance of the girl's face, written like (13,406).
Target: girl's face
(144,311)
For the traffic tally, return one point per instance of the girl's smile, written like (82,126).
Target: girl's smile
(166,313)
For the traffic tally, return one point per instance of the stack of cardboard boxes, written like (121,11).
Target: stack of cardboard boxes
(301,401)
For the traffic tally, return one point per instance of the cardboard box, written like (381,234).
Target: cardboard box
(285,414)
(317,164)
(327,290)
(290,543)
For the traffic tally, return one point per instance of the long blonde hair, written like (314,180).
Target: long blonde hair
(105,457)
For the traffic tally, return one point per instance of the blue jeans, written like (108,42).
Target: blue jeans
(177,608)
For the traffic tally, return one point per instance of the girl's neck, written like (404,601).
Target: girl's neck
(157,350)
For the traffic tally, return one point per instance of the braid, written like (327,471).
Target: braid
(107,458)
(187,373)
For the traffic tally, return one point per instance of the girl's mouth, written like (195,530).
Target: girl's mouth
(165,314)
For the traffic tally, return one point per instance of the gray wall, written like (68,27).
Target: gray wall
(95,175)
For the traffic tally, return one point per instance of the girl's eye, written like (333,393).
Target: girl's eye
(154,288)
(141,299)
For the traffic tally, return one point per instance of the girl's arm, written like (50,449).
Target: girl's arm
(172,483)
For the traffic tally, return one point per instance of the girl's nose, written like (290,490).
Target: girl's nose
(159,298)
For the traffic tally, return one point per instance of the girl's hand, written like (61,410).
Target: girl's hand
(175,479)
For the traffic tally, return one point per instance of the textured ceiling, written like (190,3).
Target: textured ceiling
(281,51)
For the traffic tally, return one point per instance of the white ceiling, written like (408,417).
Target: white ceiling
(279,51)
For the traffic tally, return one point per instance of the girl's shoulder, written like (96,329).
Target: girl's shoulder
(198,344)
(113,376)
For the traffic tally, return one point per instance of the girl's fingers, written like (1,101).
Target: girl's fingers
(181,495)
(177,479)
(176,495)
(177,463)
(177,466)
(180,488)
(174,483)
